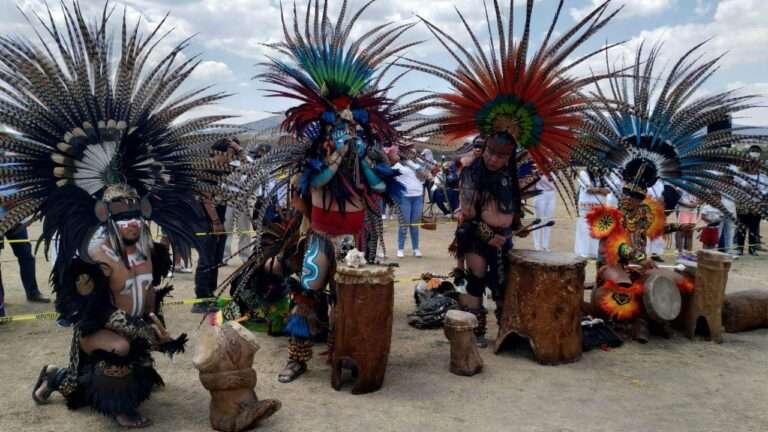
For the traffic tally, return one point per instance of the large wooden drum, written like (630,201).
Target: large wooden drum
(363,326)
(542,302)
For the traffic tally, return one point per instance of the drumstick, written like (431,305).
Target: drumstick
(530,229)
(524,228)
(678,267)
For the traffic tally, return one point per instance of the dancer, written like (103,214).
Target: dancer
(338,130)
(512,102)
(663,141)
(99,153)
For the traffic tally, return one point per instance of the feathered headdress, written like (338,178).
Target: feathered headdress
(500,89)
(645,129)
(331,77)
(84,121)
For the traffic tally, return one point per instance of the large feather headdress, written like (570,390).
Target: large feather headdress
(86,116)
(645,128)
(330,75)
(502,89)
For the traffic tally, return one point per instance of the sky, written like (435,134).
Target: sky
(229,36)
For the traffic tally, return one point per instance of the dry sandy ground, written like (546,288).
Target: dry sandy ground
(666,385)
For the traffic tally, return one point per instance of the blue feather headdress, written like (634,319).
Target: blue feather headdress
(646,129)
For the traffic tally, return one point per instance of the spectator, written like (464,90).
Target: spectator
(591,195)
(726,227)
(686,214)
(212,253)
(445,189)
(712,217)
(477,147)
(19,240)
(748,219)
(655,247)
(429,163)
(237,224)
(544,209)
(412,176)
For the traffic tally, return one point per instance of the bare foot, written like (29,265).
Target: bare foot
(42,393)
(132,421)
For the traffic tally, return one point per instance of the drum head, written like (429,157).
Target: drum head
(460,318)
(661,297)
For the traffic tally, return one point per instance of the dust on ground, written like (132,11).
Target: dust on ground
(666,385)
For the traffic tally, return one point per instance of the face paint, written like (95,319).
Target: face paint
(122,224)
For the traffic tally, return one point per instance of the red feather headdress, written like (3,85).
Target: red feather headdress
(501,90)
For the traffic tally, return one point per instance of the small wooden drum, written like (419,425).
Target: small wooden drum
(661,296)
(363,326)
(459,328)
(542,302)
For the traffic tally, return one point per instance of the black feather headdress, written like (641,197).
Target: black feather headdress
(86,113)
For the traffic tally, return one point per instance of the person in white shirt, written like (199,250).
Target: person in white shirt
(237,224)
(544,209)
(412,176)
(726,228)
(590,196)
(655,247)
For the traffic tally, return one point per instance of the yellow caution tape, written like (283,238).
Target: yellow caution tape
(50,316)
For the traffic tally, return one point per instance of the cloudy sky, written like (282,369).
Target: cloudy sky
(228,34)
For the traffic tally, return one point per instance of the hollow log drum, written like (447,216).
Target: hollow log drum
(224,358)
(459,328)
(745,310)
(542,301)
(363,325)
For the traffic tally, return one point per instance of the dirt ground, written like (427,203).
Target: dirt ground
(666,385)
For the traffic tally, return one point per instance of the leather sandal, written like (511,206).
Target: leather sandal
(292,370)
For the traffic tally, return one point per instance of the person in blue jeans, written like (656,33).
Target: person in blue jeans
(412,177)
(19,240)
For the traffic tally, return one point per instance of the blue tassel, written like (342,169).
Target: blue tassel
(360,115)
(329,117)
(297,326)
(525,169)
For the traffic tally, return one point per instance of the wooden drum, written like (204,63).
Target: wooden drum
(702,310)
(459,328)
(362,325)
(542,302)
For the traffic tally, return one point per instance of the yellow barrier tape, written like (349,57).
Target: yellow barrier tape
(50,316)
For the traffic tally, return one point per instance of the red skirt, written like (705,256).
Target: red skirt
(710,236)
(336,223)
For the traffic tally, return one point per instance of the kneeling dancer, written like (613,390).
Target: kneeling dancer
(98,152)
